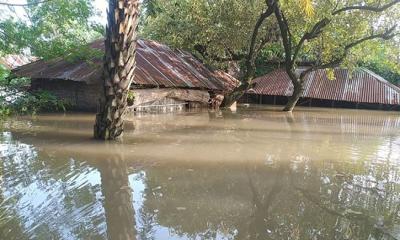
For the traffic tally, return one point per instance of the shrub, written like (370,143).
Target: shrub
(15,98)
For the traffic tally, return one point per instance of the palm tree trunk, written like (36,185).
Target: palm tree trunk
(119,66)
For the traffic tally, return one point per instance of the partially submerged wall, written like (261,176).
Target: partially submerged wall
(169,100)
(312,102)
(81,96)
(84,97)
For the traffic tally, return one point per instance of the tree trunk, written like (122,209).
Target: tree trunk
(238,92)
(119,66)
(235,95)
(297,92)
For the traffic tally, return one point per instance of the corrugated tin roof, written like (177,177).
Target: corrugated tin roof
(157,65)
(13,61)
(361,86)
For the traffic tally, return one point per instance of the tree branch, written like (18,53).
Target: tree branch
(315,32)
(387,34)
(251,56)
(366,8)
(202,50)
(287,44)
(267,38)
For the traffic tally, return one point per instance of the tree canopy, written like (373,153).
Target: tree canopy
(334,25)
(329,36)
(216,31)
(222,30)
(48,29)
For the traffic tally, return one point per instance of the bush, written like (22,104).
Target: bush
(15,98)
(40,101)
(32,103)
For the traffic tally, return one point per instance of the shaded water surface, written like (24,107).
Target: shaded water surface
(255,174)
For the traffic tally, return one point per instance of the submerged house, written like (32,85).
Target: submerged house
(358,89)
(165,79)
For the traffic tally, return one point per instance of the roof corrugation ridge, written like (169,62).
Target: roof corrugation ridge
(381,79)
(157,65)
(358,86)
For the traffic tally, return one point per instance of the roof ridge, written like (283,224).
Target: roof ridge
(380,78)
(168,67)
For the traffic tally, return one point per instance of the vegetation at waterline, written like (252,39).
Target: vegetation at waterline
(44,29)
(15,99)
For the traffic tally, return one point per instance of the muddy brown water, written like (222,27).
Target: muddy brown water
(254,174)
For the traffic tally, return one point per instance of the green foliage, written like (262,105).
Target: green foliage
(40,101)
(32,103)
(383,59)
(83,53)
(384,71)
(270,58)
(4,72)
(344,28)
(131,98)
(15,99)
(225,27)
(50,29)
(221,27)
(150,8)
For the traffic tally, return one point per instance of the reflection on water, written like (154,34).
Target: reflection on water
(255,174)
(118,199)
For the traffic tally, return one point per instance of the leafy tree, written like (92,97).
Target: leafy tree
(150,8)
(217,32)
(48,29)
(329,34)
(45,29)
(325,33)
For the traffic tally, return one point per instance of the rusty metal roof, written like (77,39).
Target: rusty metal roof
(361,86)
(157,66)
(13,61)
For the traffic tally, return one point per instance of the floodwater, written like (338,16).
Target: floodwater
(255,174)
